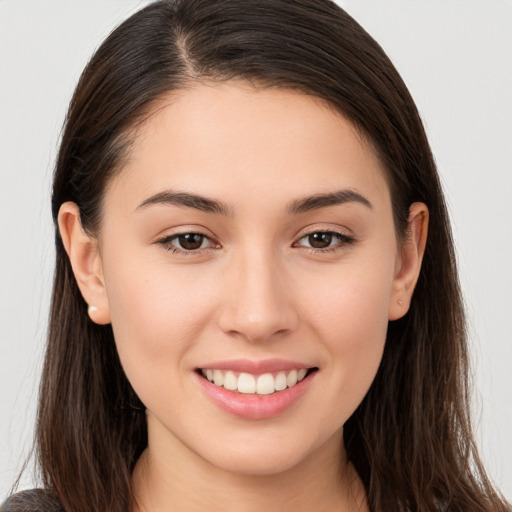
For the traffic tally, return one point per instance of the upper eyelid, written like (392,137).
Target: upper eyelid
(308,231)
(179,231)
(297,237)
(337,231)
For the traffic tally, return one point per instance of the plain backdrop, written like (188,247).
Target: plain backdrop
(456,58)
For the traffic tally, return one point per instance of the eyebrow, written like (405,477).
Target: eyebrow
(331,199)
(204,204)
(188,200)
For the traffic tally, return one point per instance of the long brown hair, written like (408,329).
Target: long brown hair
(410,439)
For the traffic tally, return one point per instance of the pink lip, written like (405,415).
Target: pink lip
(255,407)
(256,367)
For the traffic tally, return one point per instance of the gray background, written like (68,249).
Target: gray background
(456,58)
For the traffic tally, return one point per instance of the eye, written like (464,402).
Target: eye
(187,242)
(324,240)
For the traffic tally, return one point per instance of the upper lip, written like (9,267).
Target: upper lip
(256,367)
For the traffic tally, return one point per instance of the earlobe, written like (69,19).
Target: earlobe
(409,261)
(85,259)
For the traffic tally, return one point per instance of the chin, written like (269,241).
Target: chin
(257,462)
(270,455)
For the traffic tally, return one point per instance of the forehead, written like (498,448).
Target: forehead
(225,139)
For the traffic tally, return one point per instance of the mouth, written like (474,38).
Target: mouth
(256,390)
(269,383)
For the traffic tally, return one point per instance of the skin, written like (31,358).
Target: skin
(255,289)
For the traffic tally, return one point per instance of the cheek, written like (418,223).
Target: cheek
(351,318)
(350,302)
(157,315)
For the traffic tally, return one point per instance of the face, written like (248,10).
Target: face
(249,241)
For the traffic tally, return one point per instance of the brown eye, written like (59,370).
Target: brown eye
(187,243)
(320,240)
(325,241)
(190,241)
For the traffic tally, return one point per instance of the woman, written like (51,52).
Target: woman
(247,309)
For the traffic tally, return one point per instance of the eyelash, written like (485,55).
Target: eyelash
(343,240)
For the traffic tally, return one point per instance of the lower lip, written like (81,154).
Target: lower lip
(252,406)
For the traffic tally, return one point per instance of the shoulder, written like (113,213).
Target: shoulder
(34,500)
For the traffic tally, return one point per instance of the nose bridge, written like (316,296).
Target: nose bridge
(257,304)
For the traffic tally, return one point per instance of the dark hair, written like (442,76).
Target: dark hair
(410,439)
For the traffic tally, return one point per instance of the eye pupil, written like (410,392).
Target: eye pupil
(320,240)
(191,241)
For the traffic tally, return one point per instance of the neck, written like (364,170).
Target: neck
(170,477)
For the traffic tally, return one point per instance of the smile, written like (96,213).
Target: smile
(247,383)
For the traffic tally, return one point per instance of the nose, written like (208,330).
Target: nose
(257,303)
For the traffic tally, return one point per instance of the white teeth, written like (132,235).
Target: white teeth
(301,374)
(218,377)
(291,380)
(280,381)
(246,383)
(230,381)
(264,384)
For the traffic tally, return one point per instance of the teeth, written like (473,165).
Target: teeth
(280,381)
(291,380)
(218,377)
(230,381)
(247,383)
(265,385)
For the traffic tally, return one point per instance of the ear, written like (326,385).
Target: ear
(84,256)
(409,261)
